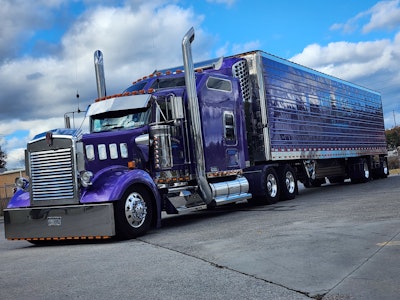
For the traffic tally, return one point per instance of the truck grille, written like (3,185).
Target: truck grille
(51,174)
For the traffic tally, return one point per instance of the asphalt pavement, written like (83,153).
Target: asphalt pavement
(333,242)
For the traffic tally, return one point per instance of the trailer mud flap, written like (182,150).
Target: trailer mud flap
(94,221)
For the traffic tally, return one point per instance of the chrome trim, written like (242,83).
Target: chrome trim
(263,105)
(99,70)
(94,220)
(118,103)
(53,170)
(194,113)
(230,191)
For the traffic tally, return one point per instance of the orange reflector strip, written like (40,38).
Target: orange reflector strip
(61,238)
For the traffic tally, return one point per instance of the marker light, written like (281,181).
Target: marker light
(113,151)
(102,151)
(123,148)
(89,152)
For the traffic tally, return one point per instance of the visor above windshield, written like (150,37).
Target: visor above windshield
(118,104)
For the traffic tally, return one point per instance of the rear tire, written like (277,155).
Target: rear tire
(364,174)
(287,182)
(270,187)
(384,170)
(133,213)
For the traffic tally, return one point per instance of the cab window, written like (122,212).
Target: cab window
(214,83)
(229,125)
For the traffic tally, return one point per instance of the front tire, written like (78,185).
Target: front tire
(133,213)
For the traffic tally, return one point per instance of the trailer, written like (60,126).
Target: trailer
(247,127)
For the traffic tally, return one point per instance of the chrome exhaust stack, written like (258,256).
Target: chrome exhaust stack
(194,113)
(99,69)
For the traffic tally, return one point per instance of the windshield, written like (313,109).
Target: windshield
(168,82)
(126,119)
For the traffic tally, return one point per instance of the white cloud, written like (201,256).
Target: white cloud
(136,38)
(384,15)
(348,60)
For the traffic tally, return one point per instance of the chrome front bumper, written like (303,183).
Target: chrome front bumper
(95,221)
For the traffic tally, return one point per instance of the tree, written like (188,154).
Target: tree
(3,157)
(393,137)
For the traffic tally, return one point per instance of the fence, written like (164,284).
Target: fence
(6,192)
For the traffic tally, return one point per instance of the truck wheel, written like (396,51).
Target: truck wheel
(133,213)
(384,170)
(363,172)
(287,182)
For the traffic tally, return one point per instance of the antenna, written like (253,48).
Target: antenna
(67,118)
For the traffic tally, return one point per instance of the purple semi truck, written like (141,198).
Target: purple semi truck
(244,127)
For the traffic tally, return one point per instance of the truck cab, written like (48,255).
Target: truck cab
(140,159)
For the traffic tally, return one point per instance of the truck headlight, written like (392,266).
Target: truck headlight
(86,178)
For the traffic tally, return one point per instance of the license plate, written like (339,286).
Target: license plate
(54,221)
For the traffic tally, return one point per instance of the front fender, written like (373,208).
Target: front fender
(19,199)
(112,182)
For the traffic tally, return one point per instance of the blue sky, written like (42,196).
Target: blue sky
(46,49)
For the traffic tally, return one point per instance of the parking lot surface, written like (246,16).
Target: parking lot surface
(332,242)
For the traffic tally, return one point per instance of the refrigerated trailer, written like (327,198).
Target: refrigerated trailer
(247,127)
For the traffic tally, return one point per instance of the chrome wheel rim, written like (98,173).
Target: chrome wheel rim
(135,210)
(366,171)
(272,185)
(290,183)
(385,168)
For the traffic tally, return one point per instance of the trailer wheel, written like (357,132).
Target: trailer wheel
(133,213)
(384,170)
(270,187)
(363,172)
(287,182)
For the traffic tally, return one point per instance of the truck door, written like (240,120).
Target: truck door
(222,124)
(170,154)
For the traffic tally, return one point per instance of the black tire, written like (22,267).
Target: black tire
(133,213)
(270,187)
(287,182)
(384,170)
(364,174)
(310,183)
